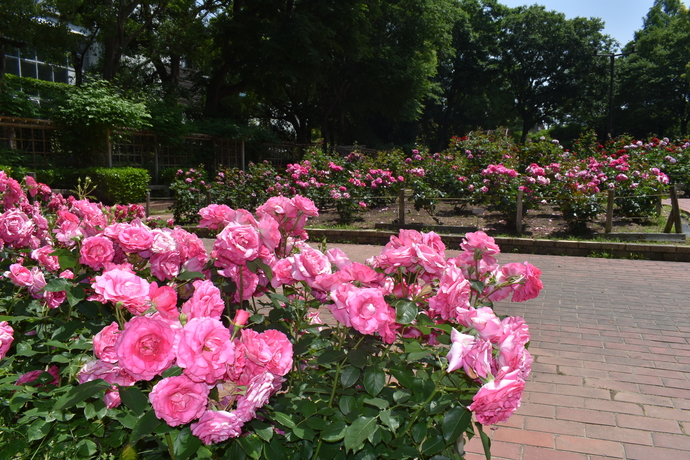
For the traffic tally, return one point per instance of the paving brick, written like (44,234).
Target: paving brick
(539,453)
(586,416)
(615,406)
(672,441)
(548,425)
(589,446)
(648,423)
(524,437)
(643,399)
(639,452)
(615,433)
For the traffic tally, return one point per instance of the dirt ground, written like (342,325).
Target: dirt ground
(545,222)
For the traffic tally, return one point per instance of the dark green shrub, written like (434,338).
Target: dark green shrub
(118,185)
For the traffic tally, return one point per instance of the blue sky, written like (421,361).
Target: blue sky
(622,17)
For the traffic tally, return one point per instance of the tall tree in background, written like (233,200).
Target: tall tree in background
(653,94)
(548,62)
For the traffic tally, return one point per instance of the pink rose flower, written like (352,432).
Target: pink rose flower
(259,391)
(19,275)
(96,251)
(15,228)
(270,349)
(179,400)
(367,309)
(43,257)
(29,377)
(216,216)
(497,400)
(338,258)
(236,245)
(487,324)
(308,264)
(217,426)
(453,293)
(104,343)
(205,301)
(530,287)
(474,355)
(111,373)
(204,349)
(119,285)
(146,347)
(6,338)
(164,299)
(481,245)
(135,237)
(165,265)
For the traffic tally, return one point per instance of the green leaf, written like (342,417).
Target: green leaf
(80,393)
(419,431)
(66,258)
(455,422)
(56,285)
(405,452)
(129,453)
(330,356)
(38,430)
(486,441)
(263,430)
(86,448)
(75,294)
(477,286)
(389,420)
(185,444)
(274,450)
(256,264)
(374,380)
(377,402)
(433,445)
(404,376)
(18,400)
(283,419)
(190,276)
(172,371)
(358,432)
(334,431)
(349,376)
(358,357)
(405,311)
(146,425)
(66,331)
(251,445)
(133,398)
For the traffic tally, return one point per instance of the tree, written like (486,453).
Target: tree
(549,62)
(653,94)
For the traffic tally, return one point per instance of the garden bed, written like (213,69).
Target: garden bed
(450,217)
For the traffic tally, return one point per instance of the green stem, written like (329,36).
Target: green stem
(171,451)
(337,374)
(422,406)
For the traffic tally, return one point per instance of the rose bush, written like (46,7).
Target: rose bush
(266,348)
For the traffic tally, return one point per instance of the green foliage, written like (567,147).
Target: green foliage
(118,185)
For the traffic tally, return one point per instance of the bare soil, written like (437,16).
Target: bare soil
(546,222)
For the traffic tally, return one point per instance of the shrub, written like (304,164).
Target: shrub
(118,185)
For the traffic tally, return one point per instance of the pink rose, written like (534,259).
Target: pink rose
(6,338)
(111,373)
(367,309)
(453,293)
(19,275)
(497,400)
(305,205)
(104,343)
(29,377)
(43,257)
(308,264)
(179,400)
(165,265)
(205,301)
(111,398)
(338,258)
(530,287)
(474,355)
(146,347)
(135,237)
(96,251)
(216,216)
(164,299)
(15,228)
(204,349)
(241,317)
(217,426)
(236,245)
(270,232)
(259,391)
(270,349)
(487,324)
(119,285)
(481,246)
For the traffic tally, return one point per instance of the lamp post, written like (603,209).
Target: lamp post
(613,56)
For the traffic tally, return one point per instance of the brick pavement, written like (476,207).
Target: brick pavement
(611,372)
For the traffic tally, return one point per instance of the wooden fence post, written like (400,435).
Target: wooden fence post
(674,217)
(518,217)
(148,203)
(401,206)
(609,212)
